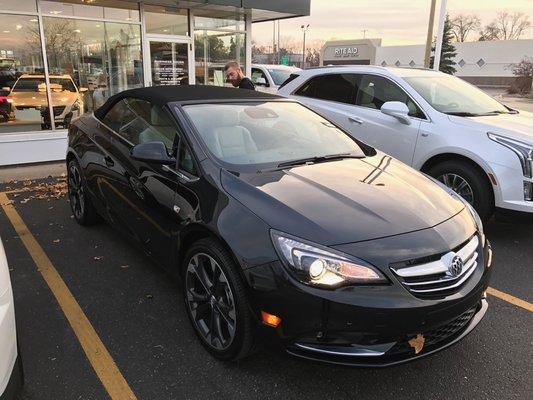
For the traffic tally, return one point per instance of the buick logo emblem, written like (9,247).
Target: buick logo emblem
(456,266)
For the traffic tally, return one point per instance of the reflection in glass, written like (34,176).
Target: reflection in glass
(226,18)
(114,10)
(170,65)
(166,20)
(23,106)
(213,49)
(18,5)
(99,58)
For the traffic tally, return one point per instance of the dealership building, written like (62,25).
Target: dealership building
(60,59)
(485,63)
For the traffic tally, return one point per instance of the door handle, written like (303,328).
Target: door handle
(356,120)
(109,161)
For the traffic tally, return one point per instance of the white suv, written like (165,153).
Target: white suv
(436,123)
(268,77)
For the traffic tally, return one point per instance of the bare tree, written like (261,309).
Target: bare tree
(506,26)
(463,24)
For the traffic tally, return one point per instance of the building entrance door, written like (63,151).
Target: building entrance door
(169,62)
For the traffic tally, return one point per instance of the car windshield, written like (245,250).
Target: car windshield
(279,75)
(266,133)
(32,84)
(454,96)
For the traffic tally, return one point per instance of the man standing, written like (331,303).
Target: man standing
(235,76)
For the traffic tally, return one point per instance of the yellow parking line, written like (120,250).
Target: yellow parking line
(99,357)
(510,299)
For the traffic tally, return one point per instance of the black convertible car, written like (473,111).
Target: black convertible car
(281,227)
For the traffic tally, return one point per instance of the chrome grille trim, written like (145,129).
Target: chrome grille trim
(429,279)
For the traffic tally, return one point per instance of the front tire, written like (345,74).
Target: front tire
(216,301)
(80,202)
(468,181)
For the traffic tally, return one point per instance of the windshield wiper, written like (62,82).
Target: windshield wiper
(504,112)
(316,159)
(464,114)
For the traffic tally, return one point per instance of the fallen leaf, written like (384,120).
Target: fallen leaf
(124,266)
(98,258)
(56,240)
(148,296)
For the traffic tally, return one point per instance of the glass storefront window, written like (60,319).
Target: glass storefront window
(99,58)
(23,99)
(213,49)
(212,18)
(110,9)
(18,5)
(166,20)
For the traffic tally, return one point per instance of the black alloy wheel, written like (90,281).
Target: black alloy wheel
(216,301)
(80,204)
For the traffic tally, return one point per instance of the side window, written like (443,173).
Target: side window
(113,118)
(257,74)
(375,90)
(185,161)
(145,122)
(333,87)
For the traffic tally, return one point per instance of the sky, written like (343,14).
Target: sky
(396,22)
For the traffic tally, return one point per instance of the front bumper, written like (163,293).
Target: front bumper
(394,353)
(369,325)
(15,382)
(509,192)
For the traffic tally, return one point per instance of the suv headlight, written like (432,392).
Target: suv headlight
(523,150)
(316,265)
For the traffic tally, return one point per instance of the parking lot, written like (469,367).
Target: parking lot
(109,324)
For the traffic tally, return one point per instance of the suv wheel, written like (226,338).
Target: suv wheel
(216,301)
(469,182)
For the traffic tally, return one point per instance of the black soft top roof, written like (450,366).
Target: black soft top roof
(161,95)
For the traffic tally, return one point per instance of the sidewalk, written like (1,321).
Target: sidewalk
(32,171)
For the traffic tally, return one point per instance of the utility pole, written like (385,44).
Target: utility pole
(430,33)
(279,54)
(274,41)
(440,35)
(304,30)
(364,33)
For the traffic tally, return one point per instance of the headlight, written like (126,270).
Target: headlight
(320,266)
(76,106)
(523,150)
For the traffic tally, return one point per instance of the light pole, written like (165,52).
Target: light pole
(304,30)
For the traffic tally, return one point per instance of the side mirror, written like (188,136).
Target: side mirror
(6,88)
(82,89)
(261,82)
(398,110)
(153,152)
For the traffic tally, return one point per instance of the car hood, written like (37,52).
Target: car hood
(36,99)
(516,126)
(344,201)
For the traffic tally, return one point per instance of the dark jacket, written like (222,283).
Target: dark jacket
(246,83)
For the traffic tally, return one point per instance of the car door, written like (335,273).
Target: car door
(353,101)
(145,199)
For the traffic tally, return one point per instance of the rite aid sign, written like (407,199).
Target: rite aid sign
(348,51)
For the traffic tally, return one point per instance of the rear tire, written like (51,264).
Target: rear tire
(80,203)
(469,181)
(216,301)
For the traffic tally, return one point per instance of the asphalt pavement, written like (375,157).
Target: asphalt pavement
(137,312)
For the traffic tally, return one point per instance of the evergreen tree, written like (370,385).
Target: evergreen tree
(448,53)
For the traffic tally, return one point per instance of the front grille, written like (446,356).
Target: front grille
(437,335)
(58,110)
(436,278)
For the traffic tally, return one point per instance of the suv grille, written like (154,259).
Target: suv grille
(437,278)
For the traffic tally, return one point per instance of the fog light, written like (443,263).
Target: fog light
(270,319)
(528,191)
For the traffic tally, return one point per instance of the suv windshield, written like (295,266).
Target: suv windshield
(32,84)
(279,75)
(268,133)
(454,96)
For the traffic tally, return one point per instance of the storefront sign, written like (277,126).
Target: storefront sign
(346,51)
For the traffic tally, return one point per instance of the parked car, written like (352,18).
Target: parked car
(434,122)
(269,77)
(281,225)
(29,93)
(6,109)
(11,375)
